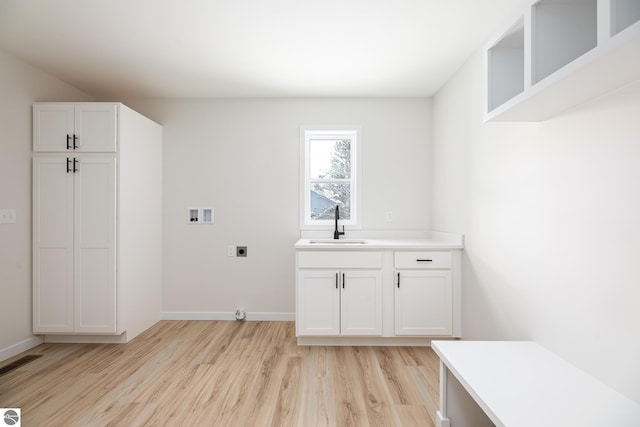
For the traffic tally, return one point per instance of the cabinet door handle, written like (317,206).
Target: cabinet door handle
(424,260)
(336,280)
(68,142)
(342,280)
(75,162)
(68,165)
(75,138)
(398,280)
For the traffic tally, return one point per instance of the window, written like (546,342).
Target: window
(329,176)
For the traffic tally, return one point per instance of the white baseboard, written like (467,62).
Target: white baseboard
(90,339)
(222,315)
(365,341)
(18,348)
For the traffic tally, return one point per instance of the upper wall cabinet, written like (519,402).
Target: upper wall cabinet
(88,127)
(559,53)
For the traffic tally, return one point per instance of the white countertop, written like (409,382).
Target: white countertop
(377,243)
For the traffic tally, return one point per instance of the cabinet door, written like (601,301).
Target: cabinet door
(361,302)
(93,124)
(95,127)
(318,303)
(423,302)
(52,245)
(94,245)
(52,123)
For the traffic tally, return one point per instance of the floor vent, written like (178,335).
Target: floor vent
(17,363)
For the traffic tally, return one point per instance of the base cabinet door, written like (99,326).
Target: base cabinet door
(423,302)
(318,300)
(361,303)
(335,302)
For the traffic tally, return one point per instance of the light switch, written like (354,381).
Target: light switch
(7,216)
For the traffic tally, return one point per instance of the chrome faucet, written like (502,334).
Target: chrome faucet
(336,233)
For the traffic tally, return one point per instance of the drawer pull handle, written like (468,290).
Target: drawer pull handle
(424,260)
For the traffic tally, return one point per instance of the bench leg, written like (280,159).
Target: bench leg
(442,421)
(441,416)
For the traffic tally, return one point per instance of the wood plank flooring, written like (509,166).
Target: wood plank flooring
(215,373)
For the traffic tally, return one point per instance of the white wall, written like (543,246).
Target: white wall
(20,86)
(241,158)
(551,215)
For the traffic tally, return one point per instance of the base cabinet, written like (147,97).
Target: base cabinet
(333,302)
(339,293)
(97,228)
(351,295)
(423,303)
(424,293)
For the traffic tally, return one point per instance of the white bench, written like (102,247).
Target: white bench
(521,384)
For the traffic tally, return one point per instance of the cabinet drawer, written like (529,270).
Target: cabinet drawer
(423,259)
(339,259)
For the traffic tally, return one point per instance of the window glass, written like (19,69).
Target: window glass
(329,177)
(324,198)
(330,158)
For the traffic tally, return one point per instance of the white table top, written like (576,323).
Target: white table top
(520,383)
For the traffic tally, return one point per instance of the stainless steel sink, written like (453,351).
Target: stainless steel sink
(338,241)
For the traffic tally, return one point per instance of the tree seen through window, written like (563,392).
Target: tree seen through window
(332,184)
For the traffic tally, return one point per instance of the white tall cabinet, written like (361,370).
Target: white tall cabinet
(97,224)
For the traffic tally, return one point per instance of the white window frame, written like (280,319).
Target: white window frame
(308,132)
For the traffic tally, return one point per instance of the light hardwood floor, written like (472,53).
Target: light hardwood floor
(210,373)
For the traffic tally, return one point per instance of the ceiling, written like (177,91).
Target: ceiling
(251,48)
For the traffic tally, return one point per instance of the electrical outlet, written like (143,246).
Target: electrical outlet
(389,217)
(7,216)
(241,251)
(231,251)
